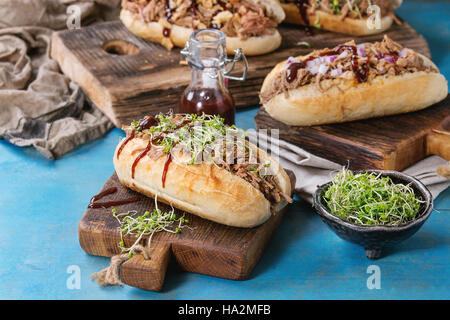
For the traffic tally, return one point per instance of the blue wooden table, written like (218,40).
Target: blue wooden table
(41,202)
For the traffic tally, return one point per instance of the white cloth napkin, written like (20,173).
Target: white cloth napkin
(312,171)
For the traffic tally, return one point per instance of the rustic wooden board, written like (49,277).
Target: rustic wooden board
(205,247)
(149,79)
(390,143)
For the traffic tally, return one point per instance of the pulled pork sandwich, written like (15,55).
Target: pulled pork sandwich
(351,82)
(343,16)
(248,24)
(198,164)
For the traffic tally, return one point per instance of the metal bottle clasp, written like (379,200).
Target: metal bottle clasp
(238,56)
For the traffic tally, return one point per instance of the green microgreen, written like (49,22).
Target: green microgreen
(335,6)
(353,5)
(203,138)
(194,133)
(135,126)
(304,43)
(147,224)
(370,199)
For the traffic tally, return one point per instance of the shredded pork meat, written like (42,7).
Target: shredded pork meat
(254,174)
(239,162)
(371,60)
(346,8)
(241,19)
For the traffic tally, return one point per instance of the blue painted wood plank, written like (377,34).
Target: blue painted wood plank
(41,202)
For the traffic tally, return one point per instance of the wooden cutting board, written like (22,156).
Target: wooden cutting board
(389,143)
(127,77)
(205,247)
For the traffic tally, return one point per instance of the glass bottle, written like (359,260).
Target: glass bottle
(207,93)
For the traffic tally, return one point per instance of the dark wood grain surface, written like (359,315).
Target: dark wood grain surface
(390,143)
(127,80)
(203,247)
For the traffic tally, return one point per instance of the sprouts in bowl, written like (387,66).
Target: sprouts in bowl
(373,208)
(368,198)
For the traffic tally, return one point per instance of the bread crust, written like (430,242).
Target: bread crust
(332,22)
(273,9)
(382,96)
(202,189)
(153,31)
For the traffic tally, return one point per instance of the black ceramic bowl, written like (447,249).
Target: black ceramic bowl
(375,238)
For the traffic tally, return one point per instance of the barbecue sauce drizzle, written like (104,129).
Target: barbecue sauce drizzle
(166,167)
(139,157)
(94,204)
(166,31)
(143,153)
(193,14)
(168,12)
(125,142)
(361,72)
(147,123)
(302,6)
(292,70)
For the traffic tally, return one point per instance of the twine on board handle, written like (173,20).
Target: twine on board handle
(110,276)
(444,170)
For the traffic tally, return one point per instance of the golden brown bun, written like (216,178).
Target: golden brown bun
(274,9)
(202,189)
(252,46)
(332,22)
(384,95)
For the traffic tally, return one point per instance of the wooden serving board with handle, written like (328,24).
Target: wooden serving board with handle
(388,143)
(128,77)
(202,247)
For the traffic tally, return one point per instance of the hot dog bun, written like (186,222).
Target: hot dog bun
(384,95)
(202,189)
(307,106)
(273,8)
(153,31)
(333,22)
(179,35)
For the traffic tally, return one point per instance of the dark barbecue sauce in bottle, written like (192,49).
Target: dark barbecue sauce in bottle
(209,101)
(207,93)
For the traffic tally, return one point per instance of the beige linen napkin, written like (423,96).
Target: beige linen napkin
(53,14)
(39,106)
(312,171)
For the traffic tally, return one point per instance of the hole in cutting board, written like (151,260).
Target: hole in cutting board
(120,47)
